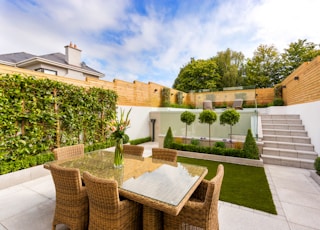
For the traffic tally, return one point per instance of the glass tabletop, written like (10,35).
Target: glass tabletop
(155,179)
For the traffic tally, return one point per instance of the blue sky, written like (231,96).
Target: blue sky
(150,40)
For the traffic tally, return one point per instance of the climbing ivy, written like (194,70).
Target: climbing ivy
(37,115)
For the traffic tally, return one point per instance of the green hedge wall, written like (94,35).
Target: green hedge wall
(37,115)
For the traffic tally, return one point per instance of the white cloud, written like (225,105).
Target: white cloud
(153,46)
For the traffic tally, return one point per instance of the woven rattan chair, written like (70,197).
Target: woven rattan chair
(165,154)
(72,204)
(106,210)
(68,152)
(201,210)
(136,150)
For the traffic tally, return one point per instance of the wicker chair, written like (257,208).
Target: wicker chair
(72,205)
(201,210)
(136,150)
(106,209)
(68,152)
(165,154)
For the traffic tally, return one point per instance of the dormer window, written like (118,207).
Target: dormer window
(47,71)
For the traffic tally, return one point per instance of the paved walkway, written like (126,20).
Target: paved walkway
(30,205)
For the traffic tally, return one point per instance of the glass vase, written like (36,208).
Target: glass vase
(118,153)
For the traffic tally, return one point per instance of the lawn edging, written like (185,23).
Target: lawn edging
(227,159)
(21,176)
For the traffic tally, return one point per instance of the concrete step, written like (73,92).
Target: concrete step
(288,161)
(283,126)
(292,139)
(287,145)
(284,132)
(282,121)
(310,155)
(280,116)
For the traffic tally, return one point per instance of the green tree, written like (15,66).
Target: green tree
(250,147)
(298,53)
(196,75)
(230,68)
(263,69)
(188,118)
(168,139)
(208,117)
(230,117)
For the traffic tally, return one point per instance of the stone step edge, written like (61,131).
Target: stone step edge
(285,136)
(285,130)
(291,150)
(288,158)
(291,125)
(287,143)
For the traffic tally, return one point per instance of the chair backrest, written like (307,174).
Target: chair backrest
(237,104)
(66,152)
(103,193)
(214,188)
(133,150)
(67,181)
(165,154)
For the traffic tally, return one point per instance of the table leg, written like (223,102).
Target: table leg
(152,218)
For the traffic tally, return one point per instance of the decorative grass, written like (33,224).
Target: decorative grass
(242,185)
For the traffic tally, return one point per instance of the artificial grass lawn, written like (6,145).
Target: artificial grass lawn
(242,185)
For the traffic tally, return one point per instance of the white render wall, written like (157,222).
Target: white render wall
(309,113)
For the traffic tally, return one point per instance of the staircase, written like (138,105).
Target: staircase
(286,142)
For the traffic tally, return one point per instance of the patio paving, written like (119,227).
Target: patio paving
(30,205)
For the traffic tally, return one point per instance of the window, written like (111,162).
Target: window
(47,71)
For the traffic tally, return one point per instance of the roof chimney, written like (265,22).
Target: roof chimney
(73,55)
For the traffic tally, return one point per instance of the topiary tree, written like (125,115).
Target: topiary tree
(250,147)
(208,117)
(230,117)
(188,118)
(168,139)
(317,165)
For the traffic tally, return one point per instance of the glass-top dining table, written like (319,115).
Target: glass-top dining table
(158,185)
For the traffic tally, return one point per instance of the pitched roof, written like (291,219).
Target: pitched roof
(15,58)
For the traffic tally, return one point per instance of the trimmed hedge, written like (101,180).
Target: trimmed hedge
(27,162)
(212,150)
(140,141)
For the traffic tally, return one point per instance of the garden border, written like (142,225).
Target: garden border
(227,159)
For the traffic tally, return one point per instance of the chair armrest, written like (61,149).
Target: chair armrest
(200,193)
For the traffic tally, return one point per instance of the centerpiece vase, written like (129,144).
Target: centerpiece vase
(118,153)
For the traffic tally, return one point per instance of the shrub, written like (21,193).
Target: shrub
(317,165)
(178,140)
(126,139)
(278,102)
(168,139)
(238,145)
(250,147)
(209,150)
(140,140)
(195,142)
(208,117)
(188,118)
(220,144)
(230,117)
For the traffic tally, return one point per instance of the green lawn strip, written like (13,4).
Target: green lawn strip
(242,185)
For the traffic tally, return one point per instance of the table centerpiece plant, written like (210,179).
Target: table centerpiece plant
(118,128)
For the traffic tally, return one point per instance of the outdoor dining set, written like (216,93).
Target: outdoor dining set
(146,193)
